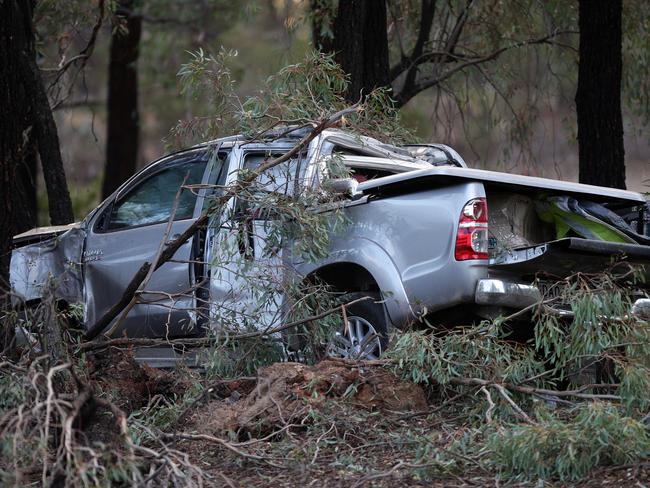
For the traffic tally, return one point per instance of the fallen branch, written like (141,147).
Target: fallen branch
(504,394)
(492,406)
(537,391)
(205,341)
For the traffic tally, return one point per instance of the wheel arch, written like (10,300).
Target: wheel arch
(374,271)
(344,277)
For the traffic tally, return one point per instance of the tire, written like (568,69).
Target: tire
(366,336)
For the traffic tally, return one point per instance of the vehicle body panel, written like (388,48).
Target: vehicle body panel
(110,265)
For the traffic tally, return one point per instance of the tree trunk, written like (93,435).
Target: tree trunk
(26,207)
(598,98)
(27,128)
(47,139)
(16,126)
(123,120)
(361,45)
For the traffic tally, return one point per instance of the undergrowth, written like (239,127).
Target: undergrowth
(594,434)
(572,398)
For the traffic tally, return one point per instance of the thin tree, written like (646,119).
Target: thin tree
(123,119)
(598,98)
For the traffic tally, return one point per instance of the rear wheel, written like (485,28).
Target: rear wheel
(365,335)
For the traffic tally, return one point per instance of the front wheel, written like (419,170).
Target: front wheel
(365,335)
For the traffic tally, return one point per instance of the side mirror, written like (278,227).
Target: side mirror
(342,186)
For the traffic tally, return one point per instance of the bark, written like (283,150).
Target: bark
(26,207)
(16,149)
(598,98)
(47,138)
(27,130)
(123,119)
(361,45)
(16,126)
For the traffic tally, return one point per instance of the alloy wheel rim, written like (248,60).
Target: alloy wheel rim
(359,340)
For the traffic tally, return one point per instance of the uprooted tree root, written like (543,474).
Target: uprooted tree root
(65,431)
(467,406)
(284,393)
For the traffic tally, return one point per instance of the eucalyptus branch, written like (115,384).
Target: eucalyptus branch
(405,95)
(86,52)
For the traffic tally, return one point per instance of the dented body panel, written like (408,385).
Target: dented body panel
(59,258)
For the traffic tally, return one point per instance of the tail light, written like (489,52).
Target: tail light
(472,237)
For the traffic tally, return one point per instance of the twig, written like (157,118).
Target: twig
(385,474)
(204,341)
(534,391)
(488,414)
(504,394)
(221,442)
(433,410)
(147,278)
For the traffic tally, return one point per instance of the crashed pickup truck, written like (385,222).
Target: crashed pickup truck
(427,236)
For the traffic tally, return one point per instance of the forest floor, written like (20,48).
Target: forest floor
(331,424)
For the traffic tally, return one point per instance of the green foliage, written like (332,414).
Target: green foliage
(235,358)
(478,352)
(277,218)
(597,435)
(584,335)
(601,332)
(299,94)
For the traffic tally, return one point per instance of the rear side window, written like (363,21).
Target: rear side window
(284,178)
(151,201)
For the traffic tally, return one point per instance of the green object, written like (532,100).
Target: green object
(567,215)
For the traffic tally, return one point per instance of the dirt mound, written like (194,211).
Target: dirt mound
(285,392)
(130,384)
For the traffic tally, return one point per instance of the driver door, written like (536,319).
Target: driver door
(128,232)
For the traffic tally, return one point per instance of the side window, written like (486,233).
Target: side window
(283,178)
(152,200)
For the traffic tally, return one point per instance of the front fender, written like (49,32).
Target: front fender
(370,256)
(59,257)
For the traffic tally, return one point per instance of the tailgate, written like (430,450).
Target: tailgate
(564,257)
